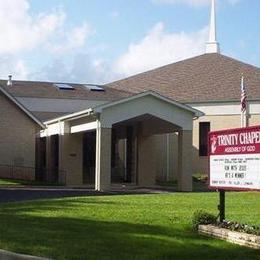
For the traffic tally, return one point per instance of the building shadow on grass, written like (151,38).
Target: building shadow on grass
(43,230)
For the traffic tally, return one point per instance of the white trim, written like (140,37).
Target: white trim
(75,115)
(167,157)
(125,158)
(98,109)
(150,105)
(219,101)
(226,108)
(83,127)
(28,113)
(53,129)
(196,112)
(98,147)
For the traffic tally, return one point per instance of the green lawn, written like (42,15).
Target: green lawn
(4,182)
(123,227)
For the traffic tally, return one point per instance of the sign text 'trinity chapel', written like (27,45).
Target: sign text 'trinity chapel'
(234,159)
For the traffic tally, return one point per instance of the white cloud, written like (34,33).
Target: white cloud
(24,32)
(20,31)
(9,64)
(159,48)
(71,40)
(80,68)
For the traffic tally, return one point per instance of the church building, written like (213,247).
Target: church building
(142,130)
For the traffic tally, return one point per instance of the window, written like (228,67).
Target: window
(63,86)
(204,128)
(94,87)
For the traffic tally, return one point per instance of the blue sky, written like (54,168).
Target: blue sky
(103,40)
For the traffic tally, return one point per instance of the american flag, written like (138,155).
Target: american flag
(243,96)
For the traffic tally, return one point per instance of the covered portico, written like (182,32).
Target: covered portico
(114,141)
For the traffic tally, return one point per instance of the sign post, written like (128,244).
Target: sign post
(234,161)
(221,206)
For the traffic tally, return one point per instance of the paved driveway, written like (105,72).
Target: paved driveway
(13,194)
(22,194)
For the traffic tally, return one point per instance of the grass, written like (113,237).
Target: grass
(123,227)
(4,182)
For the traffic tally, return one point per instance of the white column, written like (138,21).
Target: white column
(103,158)
(167,157)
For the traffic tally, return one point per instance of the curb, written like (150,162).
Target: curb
(7,255)
(239,238)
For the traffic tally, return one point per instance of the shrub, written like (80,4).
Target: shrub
(201,217)
(235,226)
(200,177)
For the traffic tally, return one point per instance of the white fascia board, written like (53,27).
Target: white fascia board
(57,128)
(43,133)
(196,112)
(83,127)
(98,109)
(226,108)
(28,113)
(53,129)
(235,101)
(75,115)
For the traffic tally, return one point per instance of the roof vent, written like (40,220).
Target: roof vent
(9,82)
(63,86)
(94,87)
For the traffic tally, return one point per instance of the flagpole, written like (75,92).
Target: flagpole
(241,114)
(243,103)
(241,120)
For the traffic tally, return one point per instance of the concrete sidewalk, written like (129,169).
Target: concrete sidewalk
(6,255)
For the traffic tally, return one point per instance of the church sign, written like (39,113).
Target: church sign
(234,159)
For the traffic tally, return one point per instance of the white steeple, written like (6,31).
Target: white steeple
(212,46)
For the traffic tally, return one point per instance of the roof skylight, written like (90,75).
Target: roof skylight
(63,86)
(94,87)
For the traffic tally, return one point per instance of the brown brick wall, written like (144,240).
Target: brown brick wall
(200,164)
(17,136)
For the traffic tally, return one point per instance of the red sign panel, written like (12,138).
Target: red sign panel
(234,159)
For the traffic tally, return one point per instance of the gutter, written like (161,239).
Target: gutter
(72,116)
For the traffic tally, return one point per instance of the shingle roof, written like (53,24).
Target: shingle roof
(48,90)
(208,77)
(44,116)
(20,106)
